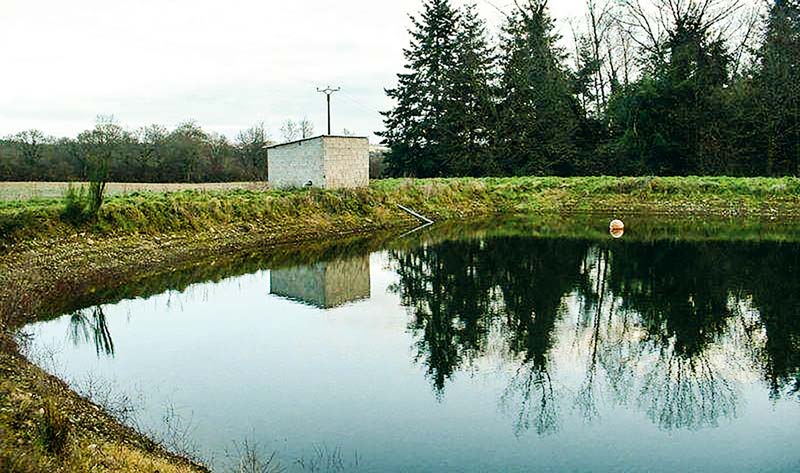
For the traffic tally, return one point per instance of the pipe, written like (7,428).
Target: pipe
(416,215)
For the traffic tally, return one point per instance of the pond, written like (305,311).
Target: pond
(520,345)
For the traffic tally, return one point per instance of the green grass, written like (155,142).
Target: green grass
(54,190)
(191,210)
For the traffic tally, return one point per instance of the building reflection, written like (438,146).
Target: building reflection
(325,284)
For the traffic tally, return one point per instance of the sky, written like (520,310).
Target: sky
(225,64)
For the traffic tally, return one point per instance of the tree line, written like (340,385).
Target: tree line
(653,87)
(110,152)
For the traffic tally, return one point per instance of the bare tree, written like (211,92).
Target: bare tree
(30,143)
(102,145)
(620,51)
(743,41)
(289,131)
(251,146)
(649,24)
(603,53)
(529,7)
(306,128)
(599,16)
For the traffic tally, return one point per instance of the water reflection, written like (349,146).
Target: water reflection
(666,327)
(90,326)
(325,284)
(671,329)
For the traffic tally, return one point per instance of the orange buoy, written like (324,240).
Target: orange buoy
(617,228)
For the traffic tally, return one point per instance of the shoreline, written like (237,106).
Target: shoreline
(41,282)
(50,264)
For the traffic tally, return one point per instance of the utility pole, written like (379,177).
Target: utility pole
(328,92)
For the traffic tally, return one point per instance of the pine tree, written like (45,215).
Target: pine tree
(778,89)
(416,128)
(691,85)
(472,112)
(441,123)
(538,113)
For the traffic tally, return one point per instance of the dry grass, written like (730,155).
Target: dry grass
(50,190)
(119,457)
(45,427)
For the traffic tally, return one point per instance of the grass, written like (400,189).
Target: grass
(42,428)
(442,199)
(53,190)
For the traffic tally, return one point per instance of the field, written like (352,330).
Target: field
(49,190)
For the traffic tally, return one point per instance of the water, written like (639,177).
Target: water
(516,346)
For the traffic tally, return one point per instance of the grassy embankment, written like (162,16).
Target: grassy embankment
(50,263)
(154,213)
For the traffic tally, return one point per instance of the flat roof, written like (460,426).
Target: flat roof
(316,138)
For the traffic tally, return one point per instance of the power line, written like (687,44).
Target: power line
(358,103)
(491,4)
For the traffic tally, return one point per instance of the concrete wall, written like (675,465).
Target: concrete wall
(295,164)
(332,162)
(346,162)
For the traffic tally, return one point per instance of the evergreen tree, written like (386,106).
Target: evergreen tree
(588,90)
(415,128)
(439,126)
(472,111)
(538,112)
(778,89)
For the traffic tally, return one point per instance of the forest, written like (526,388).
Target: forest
(652,87)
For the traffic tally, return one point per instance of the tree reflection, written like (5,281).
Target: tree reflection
(680,292)
(533,277)
(531,389)
(592,295)
(774,283)
(448,290)
(90,326)
(455,292)
(680,392)
(663,326)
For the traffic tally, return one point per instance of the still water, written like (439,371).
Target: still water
(487,347)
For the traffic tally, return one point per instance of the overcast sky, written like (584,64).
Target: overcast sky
(225,64)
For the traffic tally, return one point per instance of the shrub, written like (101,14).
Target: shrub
(75,205)
(81,206)
(53,429)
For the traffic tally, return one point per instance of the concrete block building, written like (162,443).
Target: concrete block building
(329,162)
